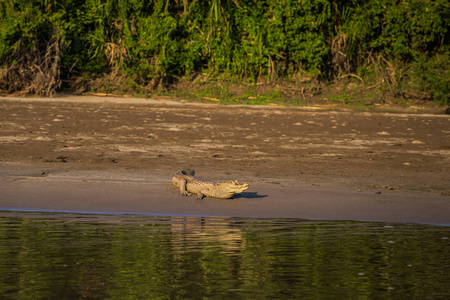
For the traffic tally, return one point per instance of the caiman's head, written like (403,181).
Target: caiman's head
(233,187)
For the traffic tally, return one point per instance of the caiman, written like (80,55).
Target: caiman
(188,183)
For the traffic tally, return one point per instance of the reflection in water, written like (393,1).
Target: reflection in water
(57,256)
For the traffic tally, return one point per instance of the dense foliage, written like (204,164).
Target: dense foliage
(401,46)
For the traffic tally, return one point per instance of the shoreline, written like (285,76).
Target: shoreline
(125,193)
(426,109)
(118,155)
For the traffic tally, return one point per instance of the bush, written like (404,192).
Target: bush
(400,46)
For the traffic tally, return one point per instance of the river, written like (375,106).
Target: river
(116,256)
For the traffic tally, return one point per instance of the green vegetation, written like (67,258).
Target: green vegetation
(397,48)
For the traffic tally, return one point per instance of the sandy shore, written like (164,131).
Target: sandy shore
(117,155)
(132,193)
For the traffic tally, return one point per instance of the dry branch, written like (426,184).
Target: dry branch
(37,71)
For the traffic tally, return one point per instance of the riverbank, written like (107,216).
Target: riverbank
(104,154)
(134,193)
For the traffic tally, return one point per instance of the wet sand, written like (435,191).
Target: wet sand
(132,193)
(117,155)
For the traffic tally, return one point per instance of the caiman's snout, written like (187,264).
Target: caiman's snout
(241,187)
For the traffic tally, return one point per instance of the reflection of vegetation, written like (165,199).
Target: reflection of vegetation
(76,256)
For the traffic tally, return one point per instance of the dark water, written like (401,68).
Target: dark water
(75,256)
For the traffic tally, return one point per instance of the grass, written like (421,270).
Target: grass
(231,93)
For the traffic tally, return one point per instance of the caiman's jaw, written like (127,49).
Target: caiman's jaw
(234,187)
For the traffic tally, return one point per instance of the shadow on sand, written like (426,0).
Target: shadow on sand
(249,195)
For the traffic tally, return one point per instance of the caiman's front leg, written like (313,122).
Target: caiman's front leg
(200,196)
(183,189)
